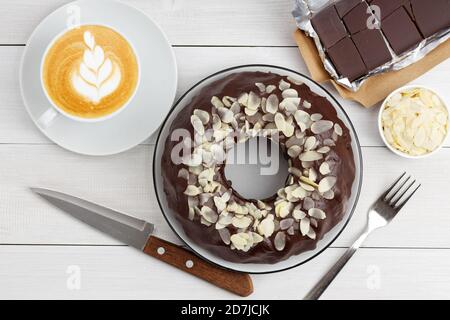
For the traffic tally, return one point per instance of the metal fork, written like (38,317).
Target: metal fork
(380,214)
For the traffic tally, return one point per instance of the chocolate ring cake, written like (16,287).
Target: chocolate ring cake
(315,142)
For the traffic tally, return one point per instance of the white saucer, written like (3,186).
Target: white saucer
(147,109)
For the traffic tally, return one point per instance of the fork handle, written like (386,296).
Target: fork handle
(323,284)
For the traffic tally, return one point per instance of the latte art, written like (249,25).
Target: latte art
(90,72)
(97,76)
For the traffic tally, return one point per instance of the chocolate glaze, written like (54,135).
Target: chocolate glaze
(207,237)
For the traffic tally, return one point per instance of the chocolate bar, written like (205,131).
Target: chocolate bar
(329,26)
(347,60)
(400,31)
(431,16)
(356,20)
(372,48)
(387,6)
(344,28)
(344,7)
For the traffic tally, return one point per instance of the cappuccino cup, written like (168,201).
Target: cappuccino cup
(89,73)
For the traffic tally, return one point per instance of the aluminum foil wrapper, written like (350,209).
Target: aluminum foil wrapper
(304,11)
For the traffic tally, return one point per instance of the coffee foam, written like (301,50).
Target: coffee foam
(97,76)
(90,72)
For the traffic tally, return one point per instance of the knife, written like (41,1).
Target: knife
(138,234)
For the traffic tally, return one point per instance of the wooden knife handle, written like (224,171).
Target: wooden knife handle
(238,283)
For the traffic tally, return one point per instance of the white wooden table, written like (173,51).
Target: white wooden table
(42,251)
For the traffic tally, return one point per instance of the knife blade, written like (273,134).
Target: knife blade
(138,234)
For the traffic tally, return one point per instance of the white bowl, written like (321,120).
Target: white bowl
(380,125)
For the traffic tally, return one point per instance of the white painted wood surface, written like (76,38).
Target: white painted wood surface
(409,259)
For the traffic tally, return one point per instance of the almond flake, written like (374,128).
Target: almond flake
(209,214)
(235,108)
(308,203)
(254,101)
(286,223)
(310,143)
(302,117)
(283,85)
(324,168)
(241,223)
(316,117)
(261,86)
(295,81)
(307,187)
(311,234)
(225,236)
(192,191)
(312,174)
(300,193)
(240,240)
(183,173)
(270,88)
(295,171)
(306,104)
(289,93)
(272,104)
(317,213)
(321,126)
(310,156)
(299,214)
(228,101)
(329,195)
(216,102)
(266,227)
(226,115)
(326,184)
(202,115)
(220,204)
(294,151)
(304,226)
(324,150)
(280,241)
(243,99)
(250,112)
(197,125)
(338,129)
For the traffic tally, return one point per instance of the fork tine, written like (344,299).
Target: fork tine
(383,197)
(398,208)
(397,190)
(394,203)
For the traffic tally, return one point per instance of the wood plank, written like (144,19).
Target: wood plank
(232,22)
(35,272)
(124,182)
(194,64)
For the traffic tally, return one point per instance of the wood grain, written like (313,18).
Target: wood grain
(193,65)
(214,22)
(237,283)
(409,259)
(43,272)
(124,182)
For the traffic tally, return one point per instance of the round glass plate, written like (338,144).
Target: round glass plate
(254,268)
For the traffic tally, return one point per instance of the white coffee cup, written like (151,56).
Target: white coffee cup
(48,117)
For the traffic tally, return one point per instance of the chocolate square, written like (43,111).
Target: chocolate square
(431,16)
(329,26)
(356,20)
(408,8)
(387,6)
(347,60)
(401,31)
(372,48)
(344,6)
